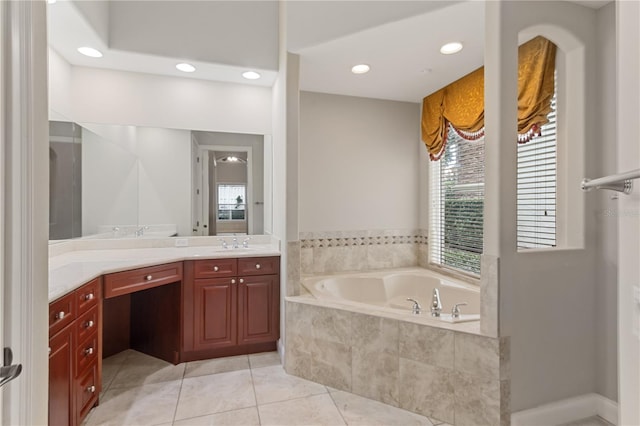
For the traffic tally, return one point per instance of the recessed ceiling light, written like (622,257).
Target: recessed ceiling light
(51,1)
(360,69)
(451,48)
(90,51)
(251,75)
(184,67)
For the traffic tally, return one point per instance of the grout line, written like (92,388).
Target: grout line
(338,408)
(255,394)
(175,411)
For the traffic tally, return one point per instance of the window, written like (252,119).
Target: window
(537,187)
(232,202)
(457,202)
(457,195)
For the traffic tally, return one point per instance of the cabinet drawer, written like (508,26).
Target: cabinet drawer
(86,353)
(215,268)
(87,391)
(88,296)
(61,313)
(87,324)
(141,279)
(258,265)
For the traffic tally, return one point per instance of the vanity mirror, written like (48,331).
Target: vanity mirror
(115,181)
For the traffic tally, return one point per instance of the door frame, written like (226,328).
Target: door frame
(25,204)
(205,179)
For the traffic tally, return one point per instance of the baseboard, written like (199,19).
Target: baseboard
(568,410)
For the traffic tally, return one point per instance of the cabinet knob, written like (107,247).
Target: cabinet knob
(89,296)
(60,315)
(241,280)
(233,281)
(148,278)
(88,351)
(91,389)
(88,324)
(258,266)
(49,349)
(216,269)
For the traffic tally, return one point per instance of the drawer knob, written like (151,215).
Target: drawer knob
(241,280)
(233,281)
(148,278)
(60,315)
(216,269)
(88,351)
(258,266)
(89,296)
(88,324)
(91,389)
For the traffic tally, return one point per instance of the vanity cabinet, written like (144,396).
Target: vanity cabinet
(231,306)
(74,354)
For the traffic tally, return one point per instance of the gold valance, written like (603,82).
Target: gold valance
(461,103)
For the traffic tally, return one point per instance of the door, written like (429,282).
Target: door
(215,313)
(24,206)
(258,299)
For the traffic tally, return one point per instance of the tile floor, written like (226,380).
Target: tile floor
(242,390)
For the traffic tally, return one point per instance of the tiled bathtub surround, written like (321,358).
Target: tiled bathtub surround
(453,376)
(341,251)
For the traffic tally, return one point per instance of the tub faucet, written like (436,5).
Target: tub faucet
(436,304)
(416,309)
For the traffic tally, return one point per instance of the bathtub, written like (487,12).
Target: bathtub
(388,291)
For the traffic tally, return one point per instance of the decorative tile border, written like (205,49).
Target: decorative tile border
(361,238)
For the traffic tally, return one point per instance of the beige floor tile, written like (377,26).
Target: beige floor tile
(139,369)
(217,365)
(215,393)
(142,405)
(244,417)
(359,411)
(111,366)
(312,410)
(273,384)
(264,359)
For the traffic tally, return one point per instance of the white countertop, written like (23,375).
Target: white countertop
(71,269)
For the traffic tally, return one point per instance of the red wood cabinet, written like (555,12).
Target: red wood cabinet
(236,313)
(61,387)
(75,351)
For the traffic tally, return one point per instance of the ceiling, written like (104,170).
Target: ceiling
(400,40)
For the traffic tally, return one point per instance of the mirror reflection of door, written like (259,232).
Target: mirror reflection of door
(228,198)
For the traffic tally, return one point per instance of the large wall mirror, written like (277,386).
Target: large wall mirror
(116,181)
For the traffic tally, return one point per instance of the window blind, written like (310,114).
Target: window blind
(457,201)
(537,166)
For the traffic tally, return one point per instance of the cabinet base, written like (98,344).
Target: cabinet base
(230,351)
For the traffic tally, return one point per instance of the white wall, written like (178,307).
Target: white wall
(358,163)
(119,97)
(60,107)
(606,223)
(628,211)
(164,178)
(548,299)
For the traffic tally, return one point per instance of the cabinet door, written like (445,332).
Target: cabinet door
(215,313)
(61,407)
(258,309)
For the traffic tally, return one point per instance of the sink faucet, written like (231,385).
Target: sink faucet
(245,243)
(235,243)
(436,304)
(224,243)
(416,309)
(140,232)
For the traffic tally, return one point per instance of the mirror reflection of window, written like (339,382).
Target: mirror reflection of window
(232,202)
